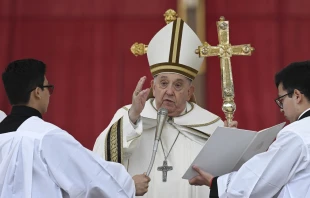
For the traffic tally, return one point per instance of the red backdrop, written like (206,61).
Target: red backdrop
(85,44)
(279,31)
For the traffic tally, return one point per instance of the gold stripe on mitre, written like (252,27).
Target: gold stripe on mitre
(174,68)
(176,39)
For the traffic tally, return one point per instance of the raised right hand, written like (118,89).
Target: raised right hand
(141,184)
(139,98)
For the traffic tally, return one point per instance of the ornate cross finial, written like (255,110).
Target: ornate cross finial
(225,50)
(138,49)
(170,15)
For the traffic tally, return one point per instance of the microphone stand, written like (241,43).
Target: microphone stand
(161,118)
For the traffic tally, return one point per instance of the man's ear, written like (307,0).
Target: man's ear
(298,95)
(37,93)
(191,91)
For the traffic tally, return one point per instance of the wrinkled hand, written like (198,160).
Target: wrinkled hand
(233,124)
(139,97)
(141,183)
(202,179)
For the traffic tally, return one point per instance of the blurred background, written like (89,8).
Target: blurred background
(86,46)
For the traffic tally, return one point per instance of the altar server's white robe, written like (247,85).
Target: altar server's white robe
(283,171)
(121,142)
(40,160)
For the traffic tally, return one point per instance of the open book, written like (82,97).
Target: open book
(229,148)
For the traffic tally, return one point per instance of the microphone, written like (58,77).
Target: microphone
(161,118)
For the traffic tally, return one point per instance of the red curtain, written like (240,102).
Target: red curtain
(85,44)
(279,31)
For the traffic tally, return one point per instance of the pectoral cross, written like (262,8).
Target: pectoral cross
(225,50)
(165,168)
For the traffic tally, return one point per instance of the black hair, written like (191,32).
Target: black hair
(295,76)
(21,77)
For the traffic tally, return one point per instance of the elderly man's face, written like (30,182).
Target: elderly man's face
(171,91)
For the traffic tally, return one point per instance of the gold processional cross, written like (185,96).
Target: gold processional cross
(225,50)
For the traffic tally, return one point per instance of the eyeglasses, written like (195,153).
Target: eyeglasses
(49,87)
(280,99)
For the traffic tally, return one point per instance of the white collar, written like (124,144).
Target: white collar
(303,113)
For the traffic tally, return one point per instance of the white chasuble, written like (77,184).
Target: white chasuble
(181,140)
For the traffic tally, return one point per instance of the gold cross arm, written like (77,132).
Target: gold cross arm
(206,50)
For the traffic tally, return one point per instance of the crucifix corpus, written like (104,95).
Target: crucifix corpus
(165,168)
(225,50)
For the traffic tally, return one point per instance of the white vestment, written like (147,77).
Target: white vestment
(40,160)
(283,171)
(136,144)
(2,115)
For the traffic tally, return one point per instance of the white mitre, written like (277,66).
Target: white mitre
(172,49)
(2,115)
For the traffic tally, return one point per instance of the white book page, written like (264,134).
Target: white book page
(228,148)
(222,151)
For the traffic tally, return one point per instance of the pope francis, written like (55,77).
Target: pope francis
(130,135)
